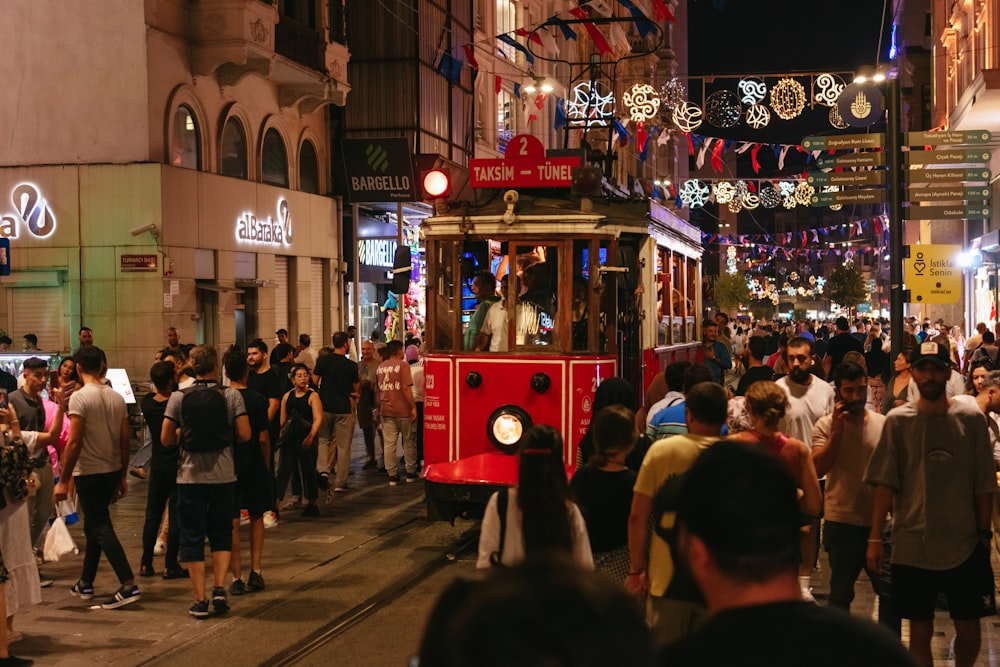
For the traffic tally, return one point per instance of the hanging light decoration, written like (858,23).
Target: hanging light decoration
(758,116)
(673,94)
(752,91)
(827,88)
(750,201)
(731,260)
(786,188)
(788,202)
(724,192)
(735,205)
(803,193)
(723,109)
(788,98)
(837,120)
(687,117)
(769,196)
(694,193)
(592,105)
(641,102)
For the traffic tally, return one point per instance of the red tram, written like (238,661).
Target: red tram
(595,289)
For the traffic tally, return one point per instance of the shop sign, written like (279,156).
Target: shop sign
(138,263)
(266,231)
(378,170)
(932,273)
(525,165)
(31,210)
(376,252)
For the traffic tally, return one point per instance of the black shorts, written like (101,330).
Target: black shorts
(967,587)
(253,492)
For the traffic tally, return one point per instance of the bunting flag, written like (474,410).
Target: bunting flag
(510,41)
(470,56)
(539,101)
(529,35)
(560,119)
(548,41)
(450,67)
(753,159)
(568,32)
(644,145)
(623,135)
(804,237)
(517,90)
(717,163)
(532,117)
(603,47)
(662,11)
(642,22)
(498,85)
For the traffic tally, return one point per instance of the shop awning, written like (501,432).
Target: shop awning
(216,287)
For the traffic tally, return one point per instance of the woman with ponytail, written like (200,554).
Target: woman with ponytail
(537,517)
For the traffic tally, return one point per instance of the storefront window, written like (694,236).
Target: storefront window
(274,160)
(308,169)
(184,140)
(233,150)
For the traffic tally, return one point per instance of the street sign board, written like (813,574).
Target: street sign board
(949,156)
(867,159)
(948,137)
(847,178)
(932,274)
(948,176)
(865,196)
(379,169)
(946,193)
(843,141)
(525,165)
(958,212)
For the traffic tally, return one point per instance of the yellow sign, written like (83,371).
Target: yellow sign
(932,274)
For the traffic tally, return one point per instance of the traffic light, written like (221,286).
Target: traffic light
(436,184)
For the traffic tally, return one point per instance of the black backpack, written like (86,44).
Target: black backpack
(205,419)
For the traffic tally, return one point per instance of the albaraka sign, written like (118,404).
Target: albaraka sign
(525,165)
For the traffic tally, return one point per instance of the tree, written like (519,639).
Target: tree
(799,314)
(731,290)
(762,309)
(846,286)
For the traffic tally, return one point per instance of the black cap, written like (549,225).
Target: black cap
(280,332)
(740,501)
(932,352)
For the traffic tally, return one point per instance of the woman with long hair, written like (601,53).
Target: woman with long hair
(603,490)
(978,370)
(301,416)
(539,517)
(899,385)
(615,391)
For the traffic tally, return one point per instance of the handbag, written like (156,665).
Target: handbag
(58,542)
(295,429)
(15,468)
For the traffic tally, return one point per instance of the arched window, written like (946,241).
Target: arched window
(234,150)
(308,169)
(274,160)
(185,142)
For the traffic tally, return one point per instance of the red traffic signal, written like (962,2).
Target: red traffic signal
(436,184)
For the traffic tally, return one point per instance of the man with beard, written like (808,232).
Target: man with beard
(933,467)
(809,398)
(842,444)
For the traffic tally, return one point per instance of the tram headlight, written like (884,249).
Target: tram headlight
(506,427)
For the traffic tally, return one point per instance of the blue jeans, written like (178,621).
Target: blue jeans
(205,510)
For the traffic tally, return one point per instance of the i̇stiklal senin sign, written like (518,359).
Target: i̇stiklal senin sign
(266,231)
(31,210)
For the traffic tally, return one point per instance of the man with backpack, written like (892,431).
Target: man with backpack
(205,420)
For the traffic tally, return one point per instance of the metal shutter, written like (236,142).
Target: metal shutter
(316,302)
(281,293)
(39,310)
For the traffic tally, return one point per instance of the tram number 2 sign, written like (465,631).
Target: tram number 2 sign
(525,165)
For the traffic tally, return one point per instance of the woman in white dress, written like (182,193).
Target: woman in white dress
(22,587)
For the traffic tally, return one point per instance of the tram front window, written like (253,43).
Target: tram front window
(537,270)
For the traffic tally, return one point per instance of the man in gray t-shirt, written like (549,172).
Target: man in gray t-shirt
(206,486)
(933,467)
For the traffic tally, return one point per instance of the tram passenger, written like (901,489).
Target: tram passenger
(536,311)
(581,320)
(539,516)
(484,287)
(493,334)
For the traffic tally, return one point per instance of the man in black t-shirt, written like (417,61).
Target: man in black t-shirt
(757,370)
(840,345)
(337,378)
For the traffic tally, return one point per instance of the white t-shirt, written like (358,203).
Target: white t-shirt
(665,402)
(308,357)
(806,404)
(495,325)
(513,546)
(103,412)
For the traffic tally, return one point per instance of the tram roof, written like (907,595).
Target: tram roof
(566,215)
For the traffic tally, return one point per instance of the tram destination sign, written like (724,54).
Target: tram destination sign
(868,159)
(843,141)
(946,193)
(948,176)
(865,196)
(525,165)
(949,156)
(958,212)
(847,178)
(948,137)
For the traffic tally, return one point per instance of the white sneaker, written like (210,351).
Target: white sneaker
(292,504)
(270,521)
(160,548)
(808,596)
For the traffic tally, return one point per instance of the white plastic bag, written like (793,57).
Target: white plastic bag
(67,510)
(58,542)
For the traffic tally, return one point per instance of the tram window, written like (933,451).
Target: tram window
(663,288)
(537,273)
(442,278)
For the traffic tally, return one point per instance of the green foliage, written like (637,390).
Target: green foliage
(730,291)
(799,314)
(762,309)
(846,286)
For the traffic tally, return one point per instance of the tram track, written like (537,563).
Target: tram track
(369,607)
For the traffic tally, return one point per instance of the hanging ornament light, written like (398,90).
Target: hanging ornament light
(827,88)
(673,94)
(724,192)
(723,109)
(687,117)
(752,91)
(750,201)
(591,106)
(758,116)
(788,202)
(769,196)
(793,276)
(735,205)
(804,193)
(641,103)
(812,280)
(788,98)
(694,193)
(786,188)
(837,120)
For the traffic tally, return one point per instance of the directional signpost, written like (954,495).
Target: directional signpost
(851,160)
(870,196)
(843,141)
(949,156)
(957,212)
(948,138)
(948,193)
(847,178)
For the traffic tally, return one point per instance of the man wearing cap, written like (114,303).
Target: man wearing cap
(738,533)
(934,468)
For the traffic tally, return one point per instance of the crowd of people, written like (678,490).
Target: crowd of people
(709,504)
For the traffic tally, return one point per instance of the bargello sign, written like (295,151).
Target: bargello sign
(266,231)
(379,169)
